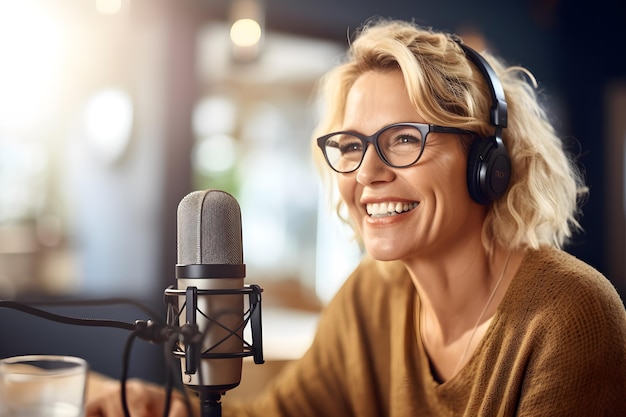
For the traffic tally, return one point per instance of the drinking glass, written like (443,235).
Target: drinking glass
(42,386)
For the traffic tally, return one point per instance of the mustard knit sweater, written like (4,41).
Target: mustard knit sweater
(555,347)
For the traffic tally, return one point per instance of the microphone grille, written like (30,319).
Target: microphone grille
(209,229)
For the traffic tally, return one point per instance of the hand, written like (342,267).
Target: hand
(144,399)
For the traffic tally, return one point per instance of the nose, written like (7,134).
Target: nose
(373,169)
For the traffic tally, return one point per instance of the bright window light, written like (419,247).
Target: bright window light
(31,51)
(108,122)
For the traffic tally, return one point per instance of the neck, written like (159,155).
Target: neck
(451,328)
(454,292)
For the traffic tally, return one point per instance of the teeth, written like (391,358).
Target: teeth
(389,208)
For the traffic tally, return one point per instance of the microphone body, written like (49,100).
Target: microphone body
(210,261)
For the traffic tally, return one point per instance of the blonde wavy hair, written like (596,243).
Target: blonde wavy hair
(541,204)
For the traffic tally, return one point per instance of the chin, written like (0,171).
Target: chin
(383,253)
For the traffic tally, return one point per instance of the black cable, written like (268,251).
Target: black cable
(64,319)
(125,367)
(143,329)
(168,392)
(170,373)
(93,302)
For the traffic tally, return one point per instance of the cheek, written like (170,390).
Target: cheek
(454,164)
(449,178)
(346,185)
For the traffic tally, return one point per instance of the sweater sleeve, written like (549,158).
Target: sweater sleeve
(579,366)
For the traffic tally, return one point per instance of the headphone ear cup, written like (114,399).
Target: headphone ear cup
(473,169)
(488,170)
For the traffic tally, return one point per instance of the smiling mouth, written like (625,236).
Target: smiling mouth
(389,208)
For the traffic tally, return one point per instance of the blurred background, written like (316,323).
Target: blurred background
(112,110)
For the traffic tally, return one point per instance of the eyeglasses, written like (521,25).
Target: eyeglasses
(398,145)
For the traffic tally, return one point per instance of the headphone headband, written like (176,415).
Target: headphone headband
(499,110)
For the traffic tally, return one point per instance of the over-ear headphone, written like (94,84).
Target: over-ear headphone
(488,163)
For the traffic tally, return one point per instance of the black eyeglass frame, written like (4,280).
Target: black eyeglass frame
(423,128)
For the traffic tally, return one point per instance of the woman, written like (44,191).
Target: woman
(465,303)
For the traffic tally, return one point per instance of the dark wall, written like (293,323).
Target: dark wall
(590,58)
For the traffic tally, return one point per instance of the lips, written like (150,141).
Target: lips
(391,208)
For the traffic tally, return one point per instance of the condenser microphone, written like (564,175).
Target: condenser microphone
(210,257)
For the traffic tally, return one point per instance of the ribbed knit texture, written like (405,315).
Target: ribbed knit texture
(556,347)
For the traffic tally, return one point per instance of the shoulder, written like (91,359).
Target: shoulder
(550,260)
(567,295)
(556,275)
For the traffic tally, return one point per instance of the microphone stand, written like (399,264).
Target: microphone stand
(210,404)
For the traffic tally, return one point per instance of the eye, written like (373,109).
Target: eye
(405,138)
(351,147)
(348,145)
(403,142)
